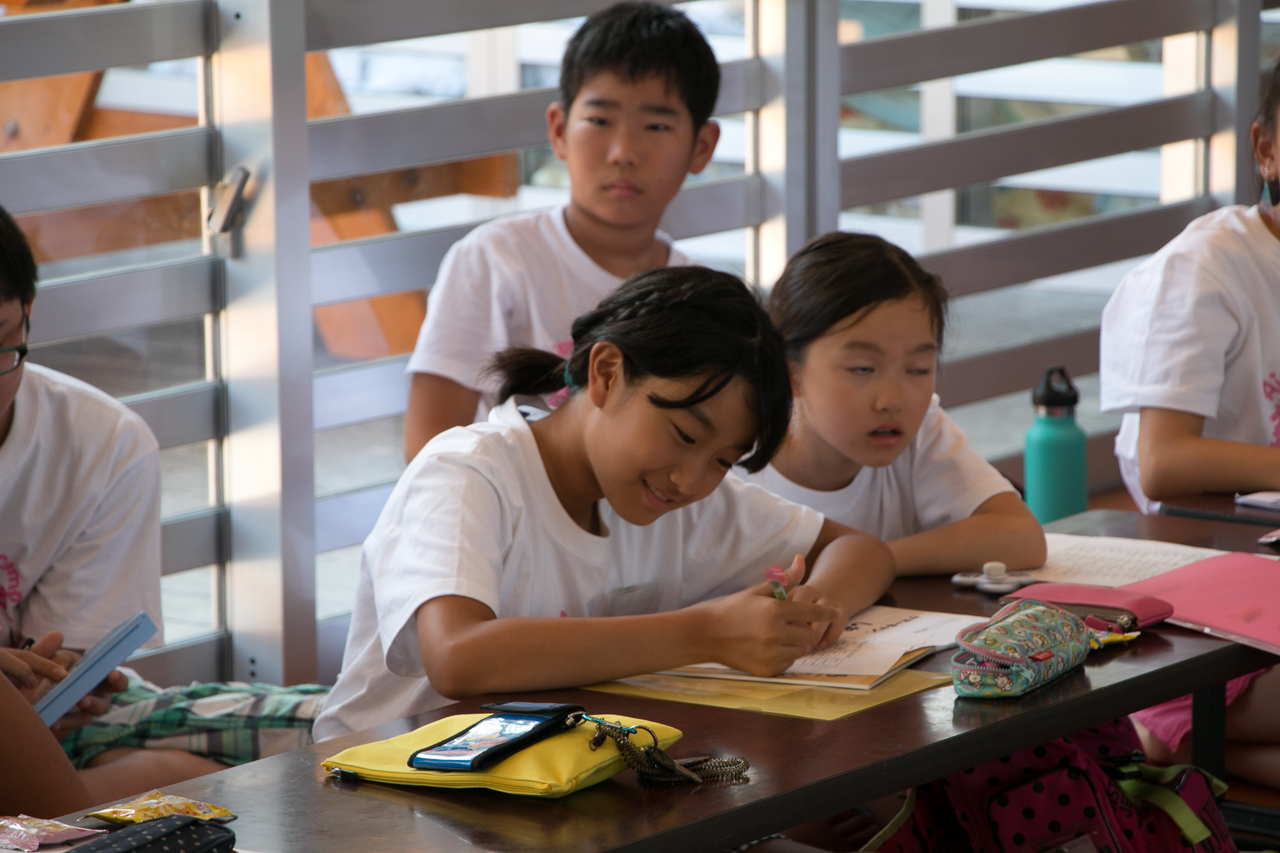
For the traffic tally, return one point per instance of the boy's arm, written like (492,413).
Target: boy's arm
(1001,528)
(467,651)
(1174,458)
(435,405)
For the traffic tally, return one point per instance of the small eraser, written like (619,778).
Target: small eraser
(994,569)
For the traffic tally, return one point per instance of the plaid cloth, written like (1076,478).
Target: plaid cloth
(231,722)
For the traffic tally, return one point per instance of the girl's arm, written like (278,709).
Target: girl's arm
(1001,528)
(851,569)
(467,651)
(1175,459)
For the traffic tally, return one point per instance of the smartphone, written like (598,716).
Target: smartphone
(515,726)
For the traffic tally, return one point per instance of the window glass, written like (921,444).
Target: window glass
(191,602)
(995,427)
(1014,316)
(187,475)
(134,361)
(359,456)
(336,575)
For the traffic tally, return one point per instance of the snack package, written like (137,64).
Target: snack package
(28,833)
(154,804)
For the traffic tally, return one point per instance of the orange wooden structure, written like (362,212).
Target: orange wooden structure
(59,110)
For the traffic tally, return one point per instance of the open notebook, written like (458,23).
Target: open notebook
(876,643)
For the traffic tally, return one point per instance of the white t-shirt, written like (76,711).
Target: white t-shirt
(520,281)
(79,513)
(475,515)
(1194,329)
(938,479)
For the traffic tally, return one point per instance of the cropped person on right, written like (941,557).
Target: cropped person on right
(1191,356)
(637,86)
(1190,353)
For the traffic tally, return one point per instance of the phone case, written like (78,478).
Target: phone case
(1122,609)
(97,663)
(553,720)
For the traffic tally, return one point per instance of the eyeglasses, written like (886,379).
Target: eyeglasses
(11,358)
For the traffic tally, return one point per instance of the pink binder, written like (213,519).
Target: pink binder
(1234,596)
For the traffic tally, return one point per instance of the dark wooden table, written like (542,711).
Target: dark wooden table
(1219,507)
(801,769)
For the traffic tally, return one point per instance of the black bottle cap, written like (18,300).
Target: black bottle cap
(1055,389)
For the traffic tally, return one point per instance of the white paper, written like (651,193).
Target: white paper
(1264,500)
(1112,561)
(849,656)
(922,627)
(876,638)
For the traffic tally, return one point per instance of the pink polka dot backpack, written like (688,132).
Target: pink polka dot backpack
(1090,792)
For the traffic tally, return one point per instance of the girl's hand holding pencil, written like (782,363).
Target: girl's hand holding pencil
(831,630)
(758,632)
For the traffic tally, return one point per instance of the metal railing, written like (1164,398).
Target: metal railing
(126,168)
(263,280)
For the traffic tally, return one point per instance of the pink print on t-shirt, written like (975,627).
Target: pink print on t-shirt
(1271,390)
(10,596)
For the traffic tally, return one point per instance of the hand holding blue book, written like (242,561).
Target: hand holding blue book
(97,663)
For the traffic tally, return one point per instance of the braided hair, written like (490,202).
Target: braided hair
(673,323)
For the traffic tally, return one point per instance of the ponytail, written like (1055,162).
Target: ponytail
(673,323)
(527,371)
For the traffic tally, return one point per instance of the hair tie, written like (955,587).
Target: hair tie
(568,380)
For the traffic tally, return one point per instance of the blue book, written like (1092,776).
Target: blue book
(97,663)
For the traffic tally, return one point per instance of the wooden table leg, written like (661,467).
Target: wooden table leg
(1209,729)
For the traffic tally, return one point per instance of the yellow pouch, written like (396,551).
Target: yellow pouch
(552,767)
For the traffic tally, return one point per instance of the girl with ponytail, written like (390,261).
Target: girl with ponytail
(543,550)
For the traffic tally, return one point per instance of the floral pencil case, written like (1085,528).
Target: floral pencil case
(1026,644)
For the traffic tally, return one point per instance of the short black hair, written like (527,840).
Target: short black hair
(674,323)
(837,275)
(635,40)
(17,264)
(1269,103)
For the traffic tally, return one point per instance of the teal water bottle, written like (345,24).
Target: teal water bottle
(1054,457)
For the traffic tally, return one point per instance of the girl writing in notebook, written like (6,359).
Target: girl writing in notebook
(1191,356)
(602,539)
(868,444)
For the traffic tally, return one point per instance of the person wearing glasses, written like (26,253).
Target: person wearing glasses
(79,488)
(79,521)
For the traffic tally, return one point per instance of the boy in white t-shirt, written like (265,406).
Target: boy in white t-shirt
(80,553)
(79,488)
(79,521)
(638,83)
(1191,356)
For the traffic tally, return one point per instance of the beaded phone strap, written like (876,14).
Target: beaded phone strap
(653,764)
